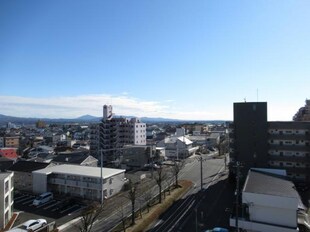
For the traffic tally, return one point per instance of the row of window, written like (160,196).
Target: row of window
(289,132)
(288,164)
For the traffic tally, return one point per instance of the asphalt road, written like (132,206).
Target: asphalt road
(182,214)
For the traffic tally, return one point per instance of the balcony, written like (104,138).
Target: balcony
(290,147)
(289,158)
(288,136)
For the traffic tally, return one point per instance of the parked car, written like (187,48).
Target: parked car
(218,229)
(34,224)
(43,198)
(30,225)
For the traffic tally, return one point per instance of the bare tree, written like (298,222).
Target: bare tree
(177,167)
(160,176)
(122,215)
(89,215)
(147,196)
(132,196)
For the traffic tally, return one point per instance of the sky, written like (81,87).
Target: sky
(177,59)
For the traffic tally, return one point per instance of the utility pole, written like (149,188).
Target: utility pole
(238,166)
(201,176)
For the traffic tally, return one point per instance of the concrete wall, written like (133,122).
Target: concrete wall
(272,209)
(39,181)
(250,226)
(23,181)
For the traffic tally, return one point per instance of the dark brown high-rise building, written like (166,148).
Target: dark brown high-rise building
(255,142)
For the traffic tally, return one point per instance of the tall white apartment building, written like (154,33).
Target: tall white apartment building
(112,133)
(6,197)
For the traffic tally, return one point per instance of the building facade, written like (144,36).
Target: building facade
(113,133)
(254,142)
(248,136)
(11,141)
(303,114)
(79,181)
(270,204)
(6,196)
(289,148)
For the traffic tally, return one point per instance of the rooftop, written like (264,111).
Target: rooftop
(81,170)
(4,175)
(27,166)
(269,184)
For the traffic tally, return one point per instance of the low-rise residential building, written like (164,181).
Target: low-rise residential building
(177,147)
(6,197)
(270,204)
(76,157)
(213,139)
(79,181)
(1,142)
(11,141)
(23,173)
(9,153)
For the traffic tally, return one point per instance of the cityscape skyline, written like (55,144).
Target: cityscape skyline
(176,59)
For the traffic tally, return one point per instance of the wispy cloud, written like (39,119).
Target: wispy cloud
(75,106)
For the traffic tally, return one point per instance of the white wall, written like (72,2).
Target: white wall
(272,209)
(39,183)
(139,133)
(114,184)
(259,227)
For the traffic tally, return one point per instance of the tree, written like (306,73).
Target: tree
(132,196)
(177,167)
(122,215)
(160,176)
(147,196)
(89,216)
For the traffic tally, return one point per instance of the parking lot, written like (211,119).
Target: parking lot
(59,210)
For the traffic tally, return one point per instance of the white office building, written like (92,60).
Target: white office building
(79,181)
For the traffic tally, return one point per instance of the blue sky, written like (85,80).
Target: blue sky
(175,59)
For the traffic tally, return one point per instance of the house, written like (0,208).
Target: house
(5,163)
(177,147)
(79,181)
(9,153)
(23,173)
(270,204)
(213,139)
(136,157)
(75,157)
(6,197)
(1,142)
(11,141)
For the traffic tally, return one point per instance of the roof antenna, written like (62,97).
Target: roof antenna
(257,95)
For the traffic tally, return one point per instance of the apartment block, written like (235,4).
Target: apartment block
(6,197)
(79,181)
(112,133)
(289,148)
(248,136)
(254,142)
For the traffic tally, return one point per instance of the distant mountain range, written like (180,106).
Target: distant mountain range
(4,119)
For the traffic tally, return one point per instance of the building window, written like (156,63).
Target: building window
(6,186)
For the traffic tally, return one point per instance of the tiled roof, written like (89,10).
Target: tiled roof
(27,166)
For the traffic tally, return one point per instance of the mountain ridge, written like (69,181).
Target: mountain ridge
(4,119)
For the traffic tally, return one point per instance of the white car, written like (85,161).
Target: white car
(33,224)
